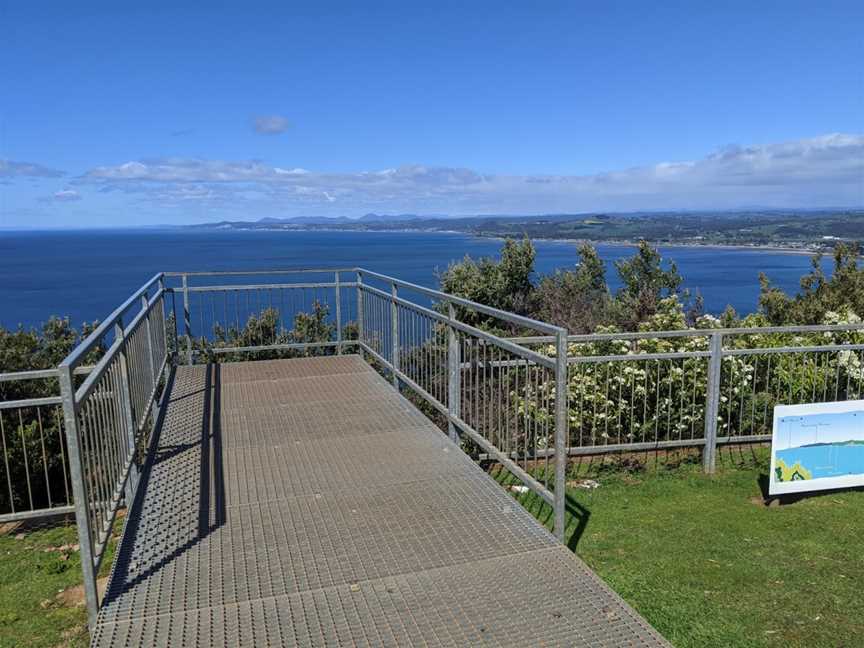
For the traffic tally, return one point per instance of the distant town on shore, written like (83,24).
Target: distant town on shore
(796,230)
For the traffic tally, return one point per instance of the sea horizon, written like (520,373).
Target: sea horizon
(84,273)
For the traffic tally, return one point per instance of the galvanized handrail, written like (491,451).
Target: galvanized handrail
(32,374)
(426,351)
(221,308)
(106,419)
(37,462)
(220,320)
(691,332)
(75,358)
(520,320)
(243,273)
(517,349)
(668,396)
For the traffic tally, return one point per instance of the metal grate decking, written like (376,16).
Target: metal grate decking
(306,503)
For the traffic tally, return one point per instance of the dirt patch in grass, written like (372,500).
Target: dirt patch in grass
(74,596)
(41,596)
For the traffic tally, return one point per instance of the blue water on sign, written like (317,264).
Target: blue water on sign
(86,274)
(826,460)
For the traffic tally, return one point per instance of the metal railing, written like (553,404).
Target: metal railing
(108,417)
(486,388)
(271,315)
(35,479)
(507,399)
(513,389)
(701,388)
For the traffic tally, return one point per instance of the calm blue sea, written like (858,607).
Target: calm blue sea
(85,274)
(826,460)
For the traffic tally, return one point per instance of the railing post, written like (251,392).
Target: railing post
(360,312)
(338,315)
(561,433)
(712,402)
(79,491)
(454,375)
(161,289)
(158,366)
(126,405)
(394,332)
(151,362)
(187,321)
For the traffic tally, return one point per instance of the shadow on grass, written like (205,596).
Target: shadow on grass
(577,522)
(791,498)
(577,515)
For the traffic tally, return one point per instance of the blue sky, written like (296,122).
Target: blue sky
(111,115)
(820,428)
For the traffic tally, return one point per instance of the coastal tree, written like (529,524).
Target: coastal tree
(646,281)
(820,294)
(579,299)
(505,284)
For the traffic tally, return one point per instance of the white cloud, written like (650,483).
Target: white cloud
(179,170)
(270,124)
(10,169)
(66,195)
(826,170)
(63,196)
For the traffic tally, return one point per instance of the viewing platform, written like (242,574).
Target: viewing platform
(305,502)
(298,457)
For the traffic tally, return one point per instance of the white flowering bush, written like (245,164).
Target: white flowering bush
(625,400)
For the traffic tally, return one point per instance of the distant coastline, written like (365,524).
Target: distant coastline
(802,232)
(805,251)
(687,245)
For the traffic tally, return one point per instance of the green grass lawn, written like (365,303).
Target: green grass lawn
(708,565)
(41,599)
(693,553)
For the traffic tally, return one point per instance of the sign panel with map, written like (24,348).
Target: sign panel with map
(817,446)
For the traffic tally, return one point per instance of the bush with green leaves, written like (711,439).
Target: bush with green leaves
(646,400)
(267,329)
(631,401)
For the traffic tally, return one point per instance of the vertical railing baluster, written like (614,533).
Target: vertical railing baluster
(129,416)
(164,317)
(454,375)
(561,432)
(187,320)
(24,456)
(176,349)
(6,462)
(338,315)
(79,492)
(360,324)
(712,402)
(394,332)
(151,362)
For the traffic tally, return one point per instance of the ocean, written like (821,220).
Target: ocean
(85,274)
(826,460)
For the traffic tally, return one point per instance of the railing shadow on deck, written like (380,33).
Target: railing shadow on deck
(211,485)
